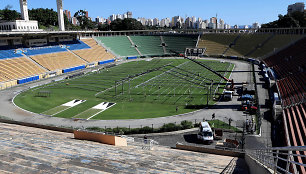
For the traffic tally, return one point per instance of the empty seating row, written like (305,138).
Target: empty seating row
(120,45)
(148,45)
(216,44)
(95,53)
(247,43)
(180,43)
(57,61)
(292,89)
(274,44)
(18,68)
(8,52)
(295,119)
(75,45)
(43,50)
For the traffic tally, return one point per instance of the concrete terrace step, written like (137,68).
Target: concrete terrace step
(33,150)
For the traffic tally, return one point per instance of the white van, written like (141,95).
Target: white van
(205,133)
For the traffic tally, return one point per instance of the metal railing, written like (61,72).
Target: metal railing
(146,144)
(282,159)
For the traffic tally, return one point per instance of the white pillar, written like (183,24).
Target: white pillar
(24,10)
(60,15)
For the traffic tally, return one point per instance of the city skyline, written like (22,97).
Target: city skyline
(258,11)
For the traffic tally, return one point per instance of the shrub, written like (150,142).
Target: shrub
(186,124)
(170,127)
(145,130)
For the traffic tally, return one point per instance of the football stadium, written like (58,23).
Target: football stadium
(177,100)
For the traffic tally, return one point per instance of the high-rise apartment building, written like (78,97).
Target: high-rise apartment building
(129,14)
(299,6)
(155,22)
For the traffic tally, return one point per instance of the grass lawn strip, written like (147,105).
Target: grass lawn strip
(63,107)
(88,113)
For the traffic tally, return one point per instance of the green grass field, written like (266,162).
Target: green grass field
(140,89)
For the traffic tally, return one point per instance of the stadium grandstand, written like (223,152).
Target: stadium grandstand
(135,101)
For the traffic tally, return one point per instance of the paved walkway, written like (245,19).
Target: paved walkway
(223,110)
(264,140)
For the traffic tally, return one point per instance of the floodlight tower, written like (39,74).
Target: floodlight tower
(24,10)
(60,15)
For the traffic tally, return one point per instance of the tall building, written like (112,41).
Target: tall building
(99,20)
(221,24)
(194,21)
(188,22)
(227,26)
(213,20)
(75,21)
(112,17)
(177,21)
(68,14)
(155,22)
(299,6)
(165,22)
(142,20)
(256,25)
(86,13)
(149,22)
(202,25)
(129,14)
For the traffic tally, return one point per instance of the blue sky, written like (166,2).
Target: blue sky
(239,12)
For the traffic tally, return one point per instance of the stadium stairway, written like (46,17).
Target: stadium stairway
(104,46)
(133,44)
(35,62)
(33,150)
(163,42)
(76,55)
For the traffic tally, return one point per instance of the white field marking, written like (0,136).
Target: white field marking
(68,107)
(160,75)
(73,103)
(99,105)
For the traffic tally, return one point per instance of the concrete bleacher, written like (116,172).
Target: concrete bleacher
(75,45)
(121,45)
(43,50)
(8,52)
(216,44)
(56,61)
(289,65)
(17,68)
(247,43)
(295,118)
(288,61)
(33,150)
(148,45)
(180,43)
(274,44)
(95,53)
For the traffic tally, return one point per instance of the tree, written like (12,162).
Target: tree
(126,24)
(103,27)
(45,17)
(9,15)
(85,23)
(296,19)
